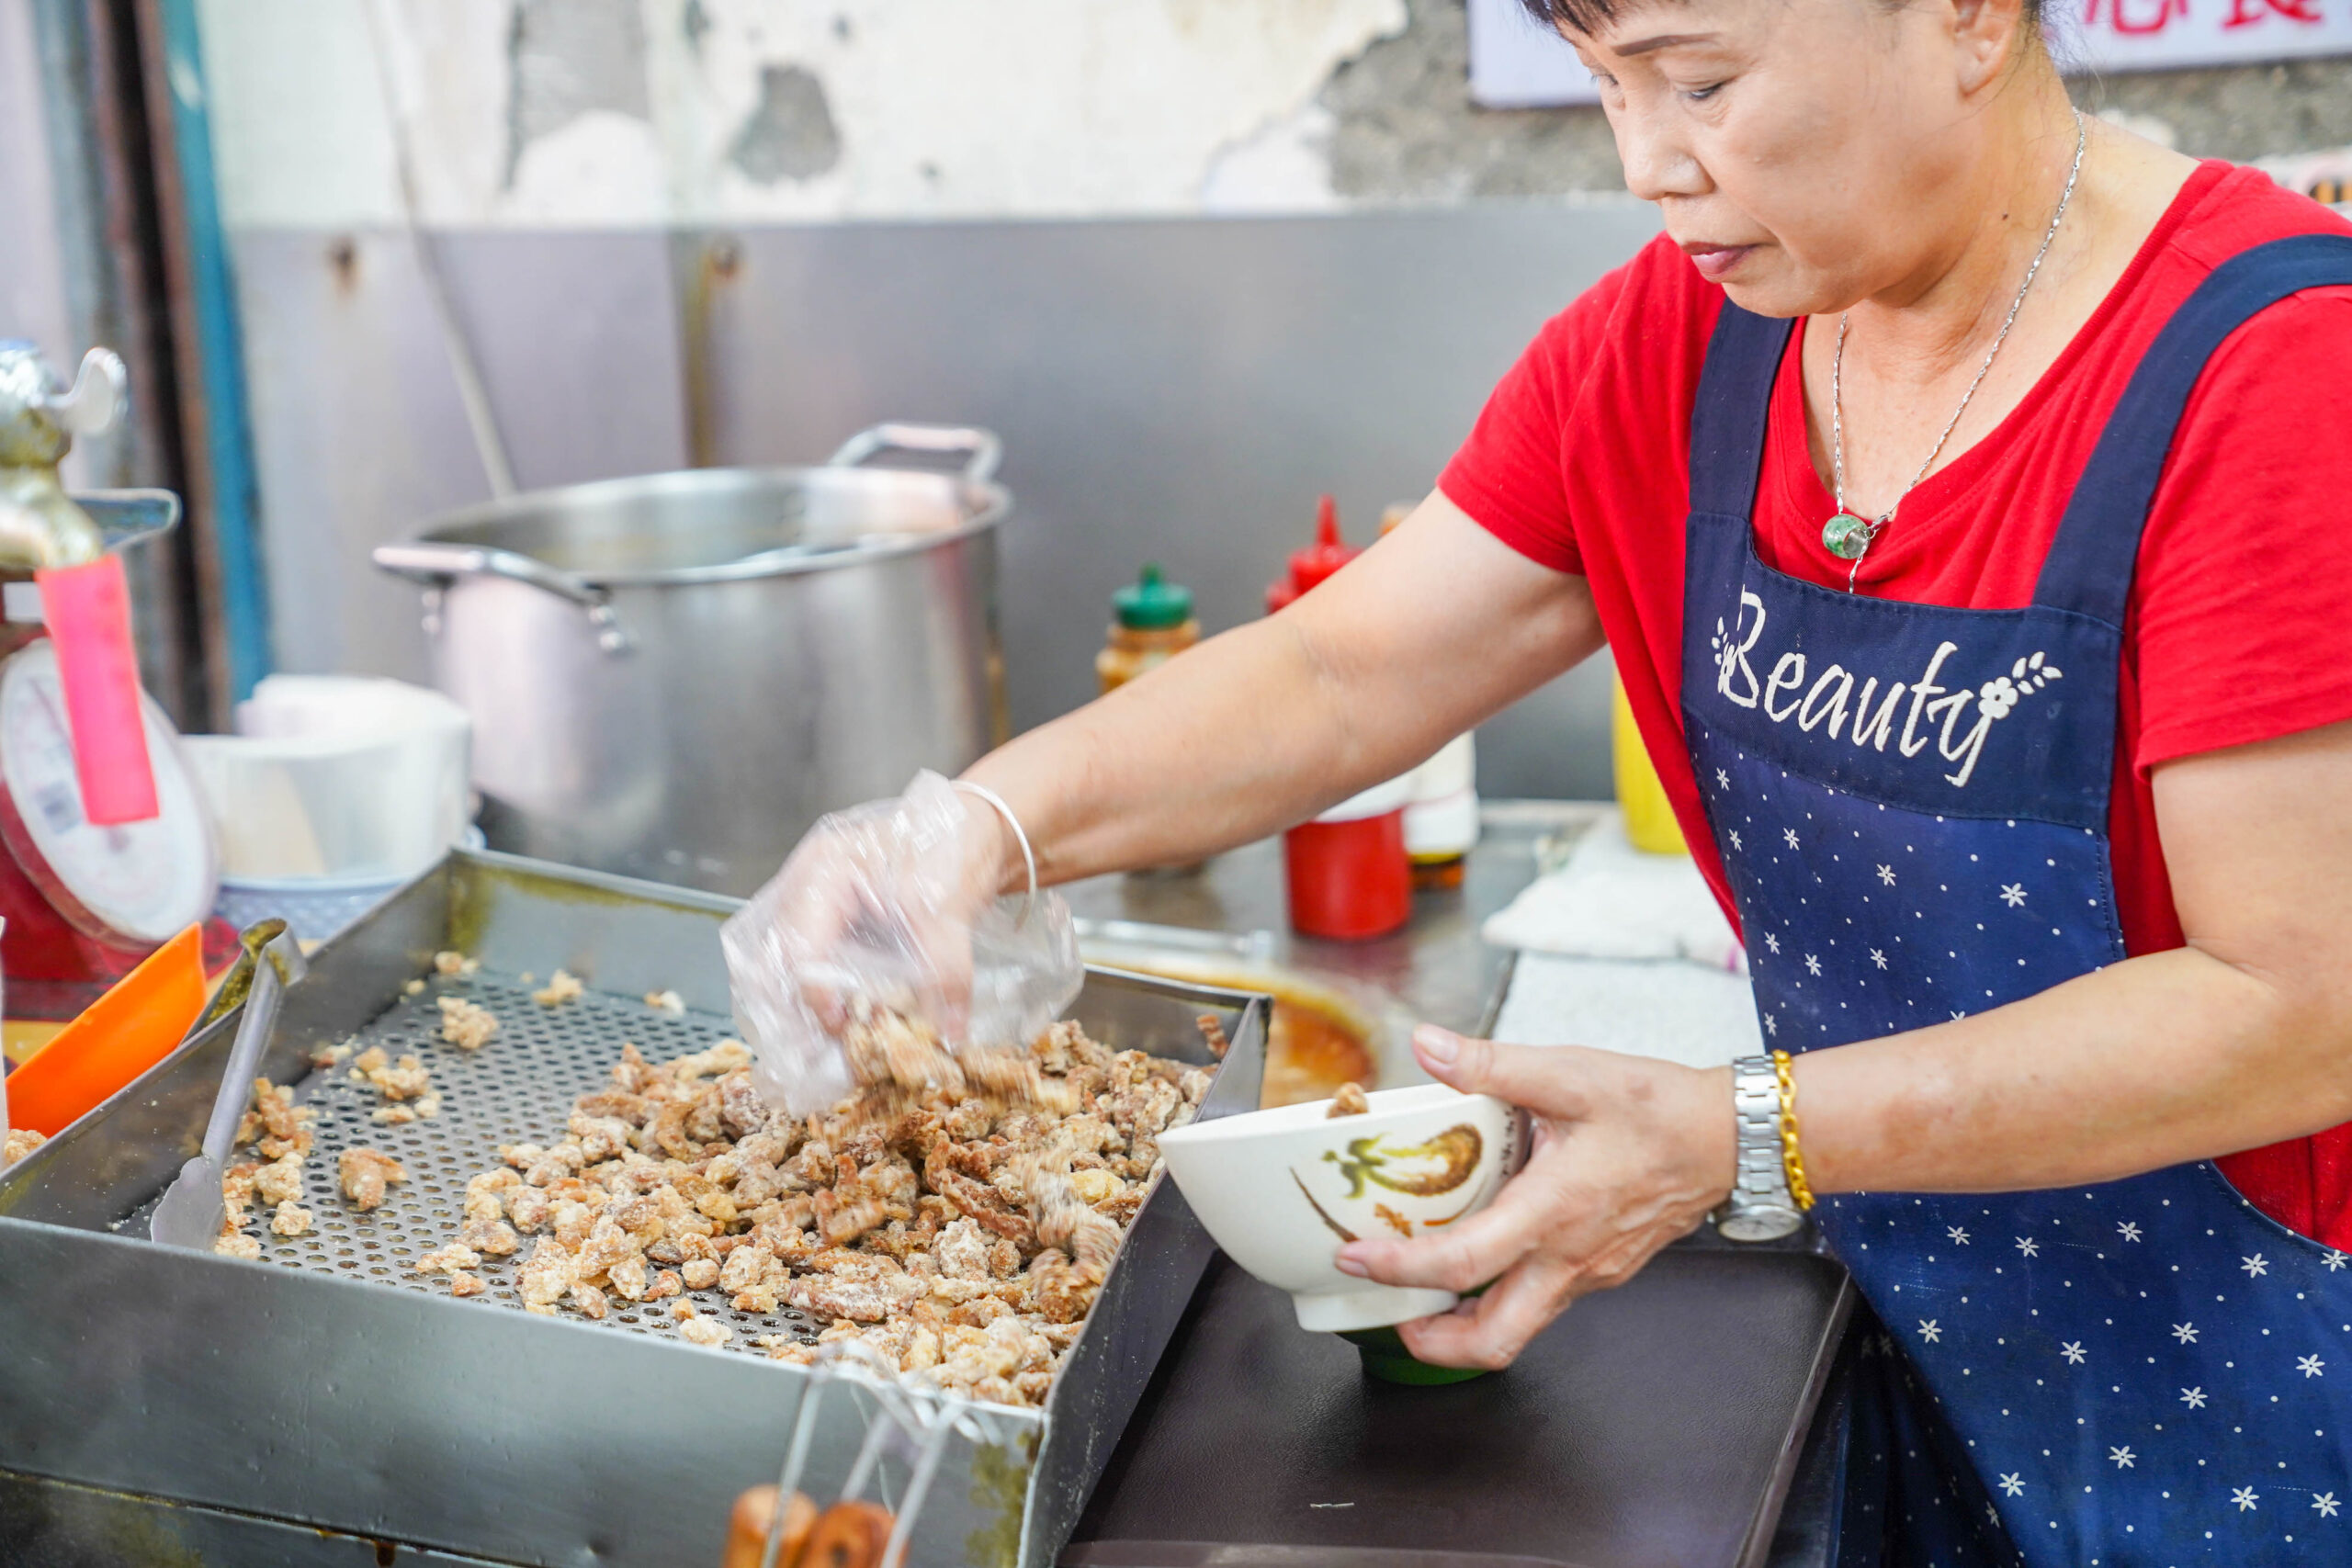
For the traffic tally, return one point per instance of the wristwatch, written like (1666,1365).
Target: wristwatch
(1759,1207)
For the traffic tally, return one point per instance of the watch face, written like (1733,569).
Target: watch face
(1760,1223)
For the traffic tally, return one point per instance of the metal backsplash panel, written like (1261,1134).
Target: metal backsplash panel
(1177,390)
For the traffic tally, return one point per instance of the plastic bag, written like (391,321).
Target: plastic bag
(873,905)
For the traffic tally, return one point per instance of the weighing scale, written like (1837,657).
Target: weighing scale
(83,904)
(98,869)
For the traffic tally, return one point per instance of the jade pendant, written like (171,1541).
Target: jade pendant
(1847,536)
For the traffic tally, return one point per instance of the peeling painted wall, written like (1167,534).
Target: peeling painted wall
(562,113)
(588,112)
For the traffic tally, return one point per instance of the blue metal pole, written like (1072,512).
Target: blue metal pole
(219,341)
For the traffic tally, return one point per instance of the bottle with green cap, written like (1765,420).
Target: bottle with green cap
(1151,623)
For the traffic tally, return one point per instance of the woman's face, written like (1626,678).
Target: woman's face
(1806,154)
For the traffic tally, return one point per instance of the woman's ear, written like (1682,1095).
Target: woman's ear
(1986,36)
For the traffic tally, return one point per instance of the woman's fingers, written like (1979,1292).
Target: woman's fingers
(945,993)
(1467,1253)
(1550,1079)
(1497,1328)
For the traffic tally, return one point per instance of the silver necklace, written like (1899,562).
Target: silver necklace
(1848,537)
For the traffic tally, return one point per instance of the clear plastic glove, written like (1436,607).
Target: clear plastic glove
(893,902)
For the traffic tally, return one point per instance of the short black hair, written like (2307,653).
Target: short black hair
(1587,16)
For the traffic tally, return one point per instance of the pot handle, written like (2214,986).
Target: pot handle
(436,564)
(986,450)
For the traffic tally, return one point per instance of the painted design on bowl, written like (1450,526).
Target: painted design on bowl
(1447,1161)
(1430,1169)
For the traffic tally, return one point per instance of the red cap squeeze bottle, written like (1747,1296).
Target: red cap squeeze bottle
(1310,566)
(1347,873)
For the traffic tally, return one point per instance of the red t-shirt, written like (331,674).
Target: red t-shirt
(2236,630)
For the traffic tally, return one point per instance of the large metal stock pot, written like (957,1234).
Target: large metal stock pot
(672,676)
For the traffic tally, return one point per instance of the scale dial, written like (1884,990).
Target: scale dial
(136,885)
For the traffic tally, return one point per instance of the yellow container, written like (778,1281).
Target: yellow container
(1649,820)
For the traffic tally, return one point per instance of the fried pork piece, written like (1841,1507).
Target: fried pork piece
(527,1208)
(545,1275)
(413,988)
(237,1244)
(666,1001)
(629,1279)
(237,1191)
(456,1257)
(292,1219)
(1349,1102)
(332,1056)
(363,1174)
(464,1285)
(454,965)
(20,1142)
(1096,1186)
(705,1331)
(1213,1031)
(280,1181)
(408,1078)
(965,1232)
(274,1124)
(467,1025)
(492,1239)
(485,1194)
(561,986)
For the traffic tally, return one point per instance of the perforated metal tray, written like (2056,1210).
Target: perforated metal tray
(518,1088)
(347,1393)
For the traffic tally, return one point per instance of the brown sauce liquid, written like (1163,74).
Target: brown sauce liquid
(1310,1053)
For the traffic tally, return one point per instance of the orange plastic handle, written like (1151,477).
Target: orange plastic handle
(123,1033)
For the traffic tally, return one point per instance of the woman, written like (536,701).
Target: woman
(1959,484)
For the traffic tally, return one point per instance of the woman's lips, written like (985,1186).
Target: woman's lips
(1717,263)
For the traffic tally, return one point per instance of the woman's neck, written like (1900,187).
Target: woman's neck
(1912,350)
(1944,313)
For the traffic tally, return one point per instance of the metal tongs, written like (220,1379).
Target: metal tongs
(192,1211)
(791,1532)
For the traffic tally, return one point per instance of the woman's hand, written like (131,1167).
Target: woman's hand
(874,877)
(1629,1154)
(876,902)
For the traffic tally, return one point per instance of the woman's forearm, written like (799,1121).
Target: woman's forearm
(1183,761)
(1435,628)
(2242,1038)
(2161,1059)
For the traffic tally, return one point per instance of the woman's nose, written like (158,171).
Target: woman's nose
(1659,164)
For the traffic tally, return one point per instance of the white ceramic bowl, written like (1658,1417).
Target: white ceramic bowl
(1281,1189)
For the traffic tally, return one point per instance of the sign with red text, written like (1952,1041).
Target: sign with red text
(1515,63)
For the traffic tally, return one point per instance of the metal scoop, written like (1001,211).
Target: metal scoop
(192,1209)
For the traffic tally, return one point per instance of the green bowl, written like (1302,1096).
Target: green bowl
(1385,1358)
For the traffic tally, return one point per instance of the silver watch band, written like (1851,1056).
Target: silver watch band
(1760,1205)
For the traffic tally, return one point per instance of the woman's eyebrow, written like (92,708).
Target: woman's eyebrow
(1662,41)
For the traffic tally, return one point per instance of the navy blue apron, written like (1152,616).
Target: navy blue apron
(1911,804)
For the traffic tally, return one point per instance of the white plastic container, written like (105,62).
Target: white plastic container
(338,777)
(1441,822)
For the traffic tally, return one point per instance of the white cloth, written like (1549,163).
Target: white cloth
(1613,901)
(1674,1012)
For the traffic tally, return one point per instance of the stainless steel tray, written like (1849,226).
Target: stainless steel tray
(347,1394)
